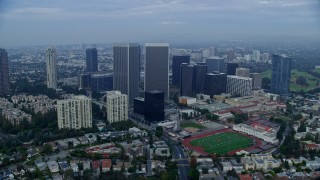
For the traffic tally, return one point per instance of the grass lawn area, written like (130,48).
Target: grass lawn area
(283,118)
(222,143)
(191,124)
(311,80)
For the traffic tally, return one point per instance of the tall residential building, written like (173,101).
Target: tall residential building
(256,80)
(200,71)
(75,113)
(156,67)
(186,80)
(51,68)
(239,86)
(281,74)
(243,72)
(215,84)
(215,64)
(256,55)
(92,60)
(117,106)
(176,62)
(4,73)
(231,68)
(126,69)
(154,106)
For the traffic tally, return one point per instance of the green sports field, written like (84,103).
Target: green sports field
(222,143)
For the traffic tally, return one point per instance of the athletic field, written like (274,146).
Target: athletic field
(222,143)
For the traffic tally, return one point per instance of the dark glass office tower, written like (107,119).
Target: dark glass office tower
(92,60)
(139,105)
(186,80)
(101,82)
(154,106)
(215,84)
(126,69)
(156,68)
(176,62)
(200,71)
(231,68)
(85,81)
(4,73)
(281,74)
(215,64)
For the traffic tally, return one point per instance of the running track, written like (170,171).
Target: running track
(186,142)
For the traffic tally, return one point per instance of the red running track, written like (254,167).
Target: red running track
(186,142)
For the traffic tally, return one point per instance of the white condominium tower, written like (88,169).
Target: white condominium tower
(75,113)
(51,68)
(117,106)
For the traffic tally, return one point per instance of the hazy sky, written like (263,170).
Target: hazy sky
(35,22)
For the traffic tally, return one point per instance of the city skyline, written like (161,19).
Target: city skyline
(166,21)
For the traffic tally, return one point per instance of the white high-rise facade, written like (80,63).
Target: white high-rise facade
(75,113)
(241,86)
(117,106)
(256,55)
(51,68)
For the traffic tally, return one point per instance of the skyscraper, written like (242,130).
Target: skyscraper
(281,74)
(243,72)
(74,113)
(154,106)
(4,73)
(215,64)
(200,71)
(256,80)
(51,68)
(256,55)
(176,62)
(157,67)
(187,80)
(92,60)
(231,68)
(215,83)
(126,69)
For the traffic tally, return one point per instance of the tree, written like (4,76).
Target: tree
(159,131)
(193,162)
(47,149)
(205,171)
(194,174)
(286,165)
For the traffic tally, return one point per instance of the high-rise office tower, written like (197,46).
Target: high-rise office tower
(281,74)
(117,106)
(215,64)
(176,62)
(243,72)
(256,80)
(256,55)
(4,73)
(200,72)
(154,106)
(92,60)
(239,86)
(156,67)
(51,68)
(75,113)
(215,83)
(126,69)
(186,80)
(212,51)
(231,68)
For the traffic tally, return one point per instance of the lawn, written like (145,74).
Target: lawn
(191,124)
(222,143)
